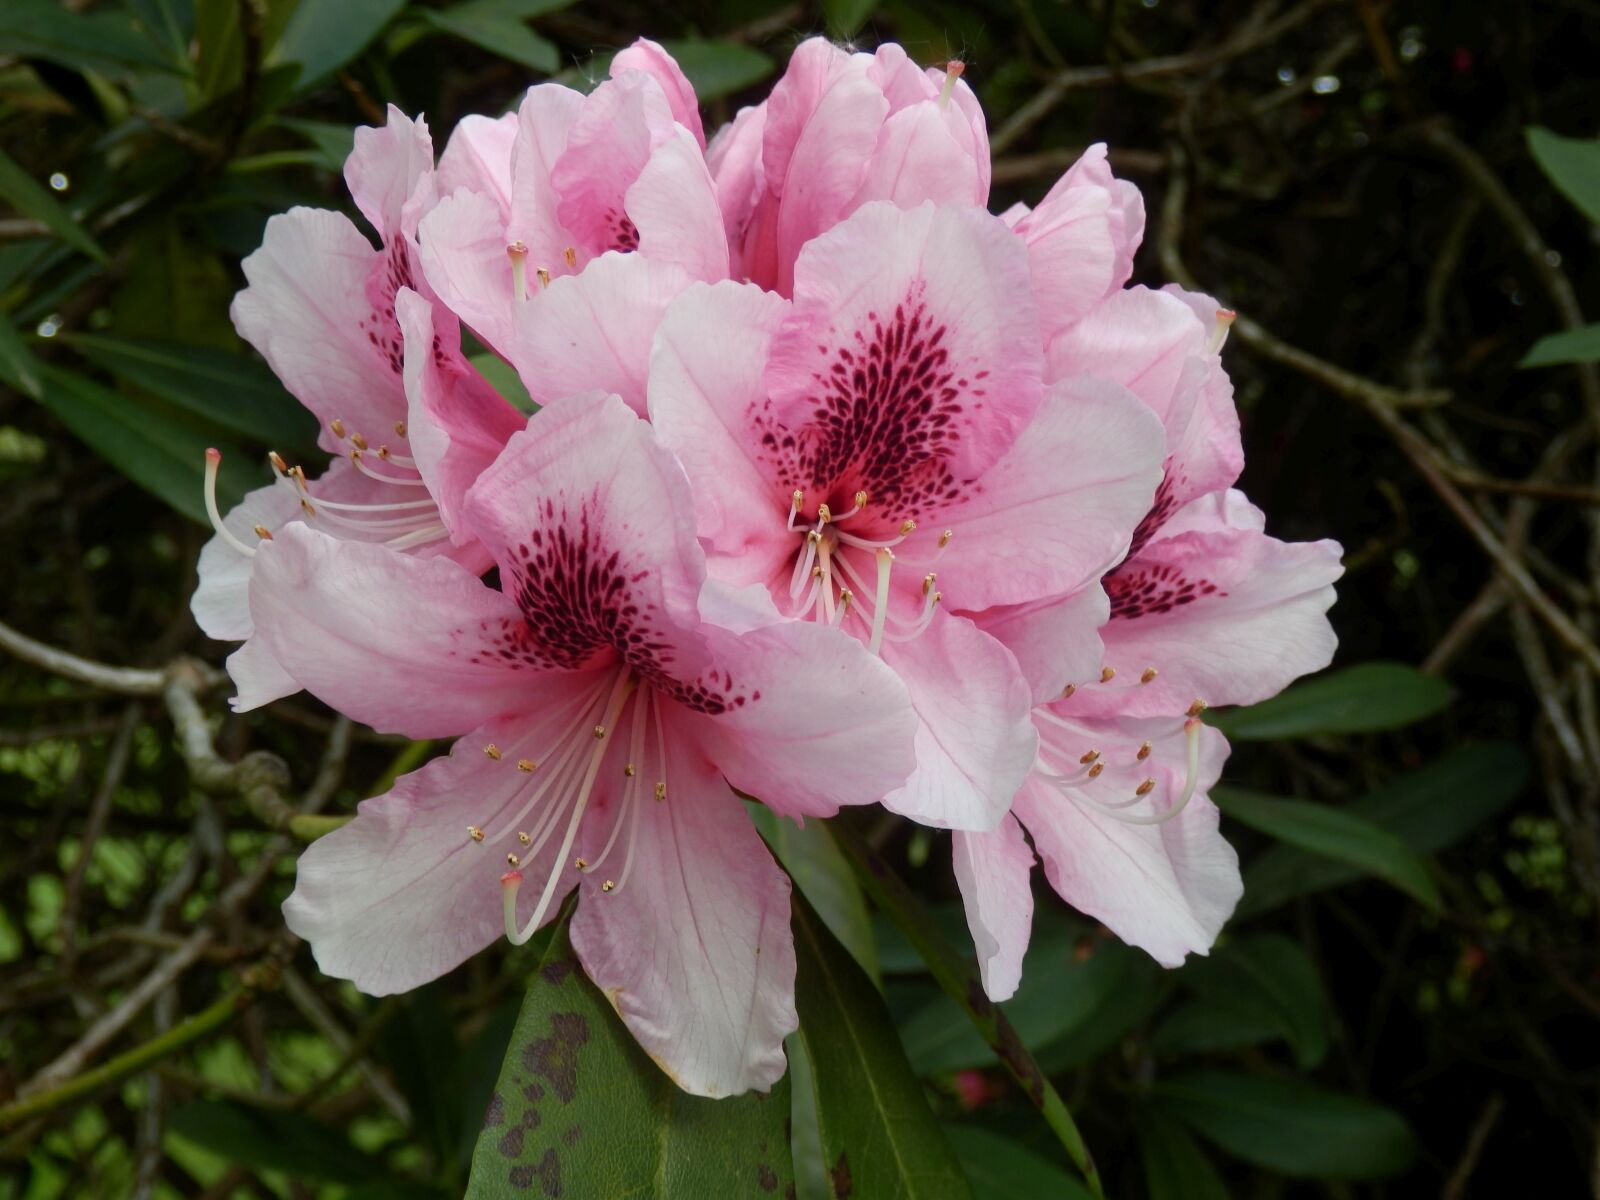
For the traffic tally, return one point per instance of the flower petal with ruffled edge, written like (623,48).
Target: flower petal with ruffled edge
(992,870)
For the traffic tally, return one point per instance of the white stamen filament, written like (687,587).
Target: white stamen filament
(213,462)
(555,765)
(361,466)
(418,537)
(1219,331)
(517,252)
(640,715)
(880,612)
(1072,785)
(619,694)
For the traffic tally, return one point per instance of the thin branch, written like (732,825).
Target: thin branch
(130,681)
(99,811)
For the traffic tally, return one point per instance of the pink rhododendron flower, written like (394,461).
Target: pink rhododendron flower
(838,131)
(610,212)
(381,368)
(608,695)
(1204,605)
(882,448)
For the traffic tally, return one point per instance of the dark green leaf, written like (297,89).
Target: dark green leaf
(879,1137)
(153,447)
(1000,1168)
(499,34)
(897,956)
(717,68)
(819,870)
(1175,1168)
(333,143)
(324,35)
(28,197)
(580,1107)
(503,377)
(846,17)
(227,390)
(1267,979)
(1568,346)
(1335,833)
(1428,809)
(1289,1126)
(1206,1026)
(1357,699)
(272,1139)
(109,42)
(18,367)
(420,1048)
(1572,164)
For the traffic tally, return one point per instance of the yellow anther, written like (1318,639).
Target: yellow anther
(798,499)
(861,499)
(523,838)
(571,255)
(845,596)
(824,514)
(1145,788)
(263,533)
(944,538)
(661,790)
(1195,709)
(337,426)
(927,583)
(492,751)
(359,442)
(399,429)
(1068,690)
(599,731)
(1089,757)
(305,507)
(544,276)
(1144,752)
(581,863)
(1148,674)
(607,885)
(908,527)
(513,860)
(475,833)
(813,536)
(1094,771)
(629,771)
(1107,675)
(527,764)
(277,461)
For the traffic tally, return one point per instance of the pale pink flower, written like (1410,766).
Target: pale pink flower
(1204,607)
(881,449)
(838,131)
(609,213)
(608,697)
(380,367)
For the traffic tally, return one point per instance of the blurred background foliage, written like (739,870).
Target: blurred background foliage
(1405,1002)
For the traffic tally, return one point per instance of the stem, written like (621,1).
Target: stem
(117,1069)
(959,979)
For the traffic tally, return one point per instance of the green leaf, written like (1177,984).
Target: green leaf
(420,1047)
(503,377)
(1428,810)
(580,1108)
(28,197)
(1269,980)
(879,1137)
(1568,346)
(718,68)
(333,143)
(846,17)
(818,869)
(324,35)
(1358,699)
(229,391)
(1207,1026)
(153,447)
(1289,1126)
(18,367)
(499,34)
(1572,164)
(1334,833)
(1175,1168)
(109,42)
(1001,1168)
(273,1139)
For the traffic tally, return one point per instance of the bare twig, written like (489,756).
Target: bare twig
(1456,1186)
(130,681)
(99,810)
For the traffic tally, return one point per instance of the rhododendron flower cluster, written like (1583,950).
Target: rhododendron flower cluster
(840,490)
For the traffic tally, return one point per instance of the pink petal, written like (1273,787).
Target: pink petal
(828,723)
(923,153)
(702,391)
(1057,511)
(457,422)
(1166,888)
(407,645)
(592,524)
(645,55)
(909,363)
(221,602)
(307,311)
(258,677)
(992,870)
(544,124)
(694,951)
(1056,641)
(593,330)
(1073,247)
(478,159)
(674,206)
(386,168)
(618,129)
(734,159)
(975,741)
(1226,614)
(463,255)
(402,894)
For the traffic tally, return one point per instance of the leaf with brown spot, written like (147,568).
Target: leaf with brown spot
(572,1065)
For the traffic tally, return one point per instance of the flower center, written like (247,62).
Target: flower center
(841,576)
(1092,778)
